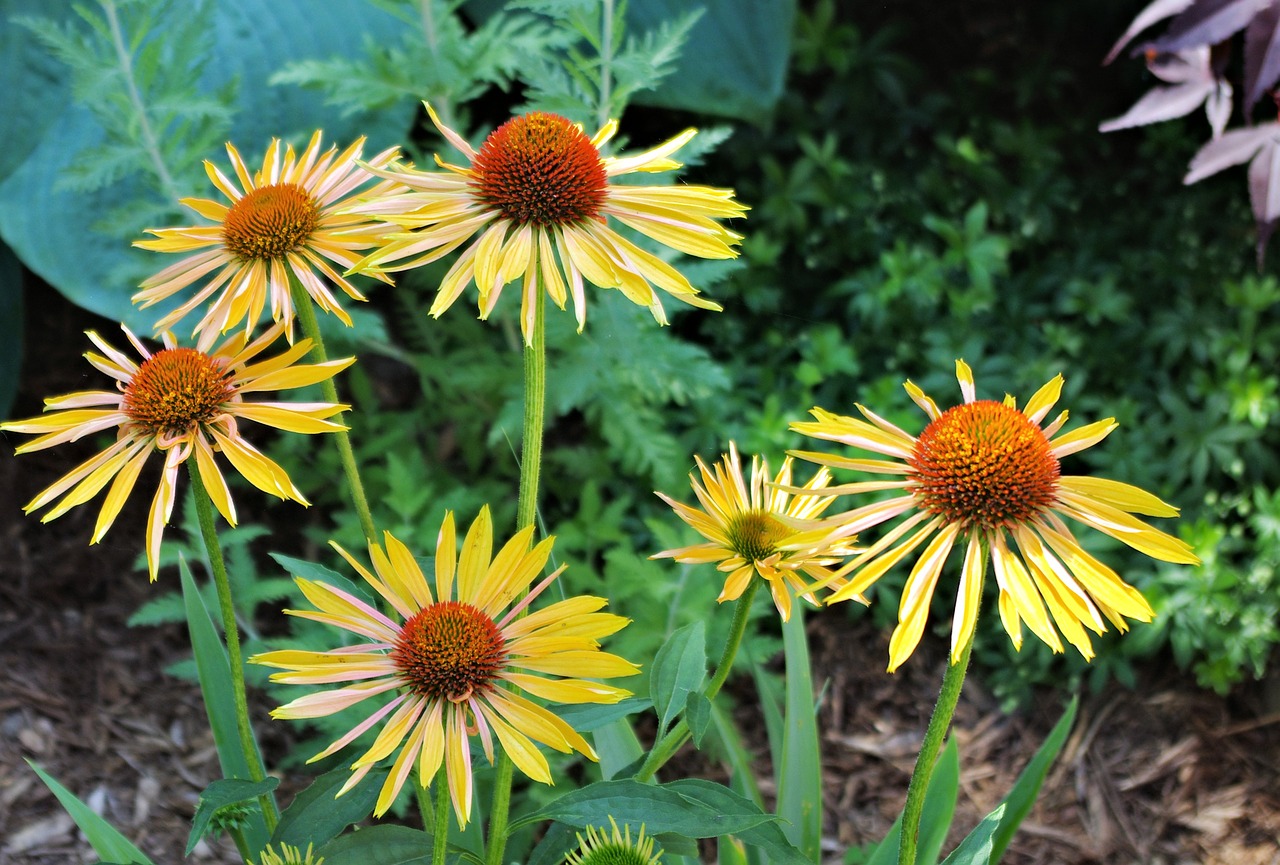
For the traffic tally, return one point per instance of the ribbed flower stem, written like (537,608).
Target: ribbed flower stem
(934,735)
(209,532)
(666,747)
(535,401)
(535,397)
(440,833)
(242,846)
(302,304)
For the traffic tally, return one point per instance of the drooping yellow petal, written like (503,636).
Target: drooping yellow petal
(968,598)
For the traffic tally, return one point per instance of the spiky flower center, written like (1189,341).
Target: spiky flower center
(450,651)
(289,855)
(175,390)
(269,222)
(602,847)
(755,535)
(985,464)
(542,170)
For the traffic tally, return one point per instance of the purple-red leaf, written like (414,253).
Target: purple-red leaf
(1161,103)
(1194,83)
(1218,107)
(1233,148)
(1264,183)
(1207,22)
(1189,65)
(1261,54)
(1157,11)
(1264,193)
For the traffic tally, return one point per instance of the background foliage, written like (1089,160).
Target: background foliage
(915,199)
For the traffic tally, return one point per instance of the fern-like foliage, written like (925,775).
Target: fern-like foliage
(249,589)
(439,58)
(624,375)
(145,93)
(595,78)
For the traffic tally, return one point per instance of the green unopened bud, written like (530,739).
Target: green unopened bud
(617,848)
(288,855)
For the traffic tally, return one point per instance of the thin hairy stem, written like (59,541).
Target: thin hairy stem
(606,63)
(665,748)
(209,532)
(440,833)
(306,314)
(535,396)
(934,735)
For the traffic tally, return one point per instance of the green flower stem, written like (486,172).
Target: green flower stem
(440,835)
(934,734)
(306,314)
(242,846)
(204,513)
(425,809)
(535,402)
(667,746)
(535,398)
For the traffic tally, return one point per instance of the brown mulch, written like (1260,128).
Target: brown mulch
(1166,774)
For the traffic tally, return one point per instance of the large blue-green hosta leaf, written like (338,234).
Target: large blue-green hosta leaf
(52,229)
(10,327)
(735,62)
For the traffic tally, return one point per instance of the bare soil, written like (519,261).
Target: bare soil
(1164,774)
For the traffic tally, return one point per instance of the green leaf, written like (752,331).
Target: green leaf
(318,814)
(220,794)
(698,714)
(935,818)
(10,325)
(214,673)
(691,808)
(589,717)
(769,693)
(106,840)
(379,845)
(678,670)
(386,844)
(1025,790)
(732,65)
(307,570)
(617,747)
(731,851)
(800,775)
(768,837)
(319,573)
(554,846)
(976,848)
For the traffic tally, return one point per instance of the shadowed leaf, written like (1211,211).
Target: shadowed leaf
(1261,54)
(1157,11)
(1233,148)
(1207,22)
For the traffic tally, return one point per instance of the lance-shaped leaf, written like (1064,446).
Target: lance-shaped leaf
(1207,22)
(678,670)
(1161,103)
(1261,54)
(221,794)
(1264,193)
(1157,11)
(1217,107)
(1194,83)
(1234,148)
